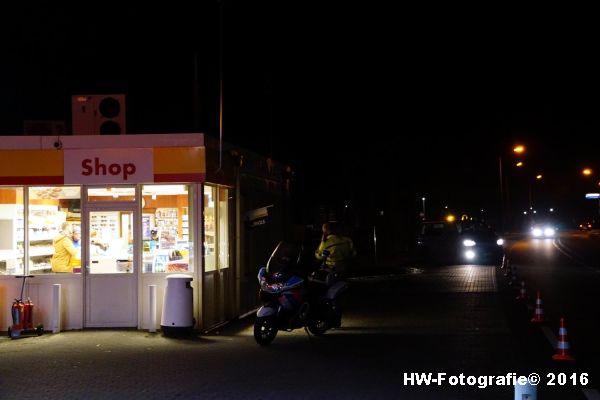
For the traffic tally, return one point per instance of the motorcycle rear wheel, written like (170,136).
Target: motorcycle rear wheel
(265,330)
(318,326)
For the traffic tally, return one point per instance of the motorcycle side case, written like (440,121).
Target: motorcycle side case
(335,290)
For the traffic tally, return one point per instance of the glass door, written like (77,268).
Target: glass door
(111,266)
(217,272)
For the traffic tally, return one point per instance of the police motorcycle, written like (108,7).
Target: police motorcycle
(294,295)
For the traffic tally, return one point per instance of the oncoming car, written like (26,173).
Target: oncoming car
(543,231)
(481,245)
(585,226)
(451,243)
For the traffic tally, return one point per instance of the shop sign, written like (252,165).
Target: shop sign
(108,166)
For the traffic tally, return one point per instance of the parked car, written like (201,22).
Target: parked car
(437,242)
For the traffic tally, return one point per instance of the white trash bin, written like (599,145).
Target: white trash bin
(178,306)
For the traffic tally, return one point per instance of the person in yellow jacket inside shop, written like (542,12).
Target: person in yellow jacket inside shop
(75,262)
(341,248)
(64,249)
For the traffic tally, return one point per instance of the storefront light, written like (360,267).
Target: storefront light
(164,190)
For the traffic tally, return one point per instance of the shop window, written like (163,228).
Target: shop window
(11,231)
(223,228)
(210,233)
(51,212)
(216,228)
(167,231)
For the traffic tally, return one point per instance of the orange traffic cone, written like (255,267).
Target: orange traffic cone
(522,293)
(538,316)
(562,348)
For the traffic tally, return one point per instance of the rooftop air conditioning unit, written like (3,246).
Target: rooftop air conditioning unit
(99,114)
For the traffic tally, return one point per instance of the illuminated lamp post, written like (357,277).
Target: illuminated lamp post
(539,178)
(519,150)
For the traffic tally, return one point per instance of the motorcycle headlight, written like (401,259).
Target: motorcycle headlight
(469,243)
(500,242)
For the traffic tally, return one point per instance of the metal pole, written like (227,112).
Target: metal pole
(196,99)
(502,216)
(239,268)
(152,308)
(530,198)
(221,2)
(375,241)
(55,321)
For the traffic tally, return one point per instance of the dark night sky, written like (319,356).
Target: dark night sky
(406,100)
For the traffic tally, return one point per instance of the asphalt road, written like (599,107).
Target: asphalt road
(566,272)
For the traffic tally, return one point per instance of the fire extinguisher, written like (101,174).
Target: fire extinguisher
(18,309)
(28,314)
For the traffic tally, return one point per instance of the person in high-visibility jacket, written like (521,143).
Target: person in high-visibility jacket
(63,249)
(341,248)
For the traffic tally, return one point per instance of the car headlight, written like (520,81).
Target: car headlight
(548,232)
(500,242)
(468,243)
(537,232)
(470,254)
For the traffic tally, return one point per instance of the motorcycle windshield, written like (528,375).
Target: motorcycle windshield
(285,258)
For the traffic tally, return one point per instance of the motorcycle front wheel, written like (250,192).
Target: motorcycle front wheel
(265,330)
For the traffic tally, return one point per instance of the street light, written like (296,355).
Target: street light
(423,199)
(505,203)
(586,171)
(539,178)
(519,149)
